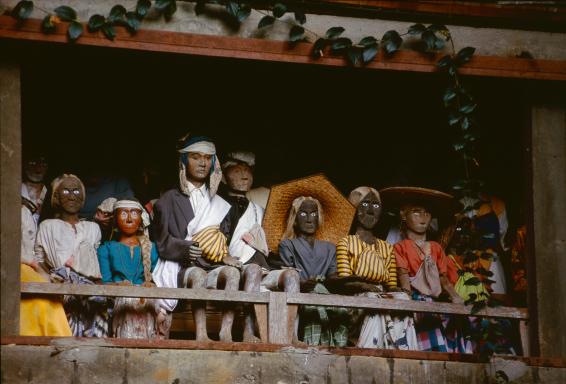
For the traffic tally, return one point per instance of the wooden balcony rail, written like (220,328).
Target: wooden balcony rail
(267,298)
(272,307)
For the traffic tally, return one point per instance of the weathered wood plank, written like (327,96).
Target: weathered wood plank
(280,51)
(10,201)
(72,342)
(403,305)
(295,298)
(278,326)
(262,321)
(137,291)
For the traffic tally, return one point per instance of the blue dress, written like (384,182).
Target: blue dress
(116,263)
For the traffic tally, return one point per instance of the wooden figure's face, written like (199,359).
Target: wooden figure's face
(307,218)
(198,166)
(70,195)
(239,177)
(369,211)
(128,220)
(417,218)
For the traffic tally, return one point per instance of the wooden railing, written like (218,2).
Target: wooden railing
(277,302)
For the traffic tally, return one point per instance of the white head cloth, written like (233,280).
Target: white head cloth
(236,157)
(208,148)
(107,205)
(205,147)
(133,205)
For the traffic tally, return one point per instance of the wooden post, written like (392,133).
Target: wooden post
(549,220)
(278,327)
(10,201)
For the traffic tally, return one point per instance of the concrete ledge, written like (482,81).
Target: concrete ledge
(90,363)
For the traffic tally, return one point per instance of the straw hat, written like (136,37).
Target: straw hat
(337,210)
(439,203)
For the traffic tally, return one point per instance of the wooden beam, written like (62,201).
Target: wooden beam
(10,200)
(150,293)
(267,297)
(277,323)
(81,342)
(279,51)
(551,13)
(403,305)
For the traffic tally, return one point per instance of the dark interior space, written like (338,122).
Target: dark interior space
(95,110)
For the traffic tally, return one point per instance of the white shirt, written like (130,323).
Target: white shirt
(57,241)
(197,196)
(29,231)
(34,198)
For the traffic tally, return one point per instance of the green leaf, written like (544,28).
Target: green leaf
(437,28)
(75,30)
(466,124)
(429,38)
(296,33)
(109,31)
(465,54)
(96,22)
(279,10)
(469,137)
(300,17)
(340,44)
(416,29)
(318,47)
(133,22)
(142,7)
(459,147)
(439,44)
(472,281)
(266,21)
(392,41)
(368,41)
(445,61)
(47,25)
(199,7)
(334,32)
(66,13)
(117,13)
(468,108)
(449,95)
(162,5)
(244,12)
(369,53)
(232,7)
(354,55)
(454,118)
(452,69)
(22,10)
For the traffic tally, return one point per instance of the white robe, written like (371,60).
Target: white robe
(210,212)
(57,241)
(250,220)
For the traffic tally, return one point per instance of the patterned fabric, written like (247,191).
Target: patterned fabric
(87,315)
(381,329)
(324,325)
(135,318)
(519,264)
(374,262)
(442,333)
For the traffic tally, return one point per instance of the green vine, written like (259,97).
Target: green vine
(431,39)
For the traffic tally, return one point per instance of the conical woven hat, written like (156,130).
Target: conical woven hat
(338,213)
(440,203)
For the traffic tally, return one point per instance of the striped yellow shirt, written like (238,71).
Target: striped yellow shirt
(356,257)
